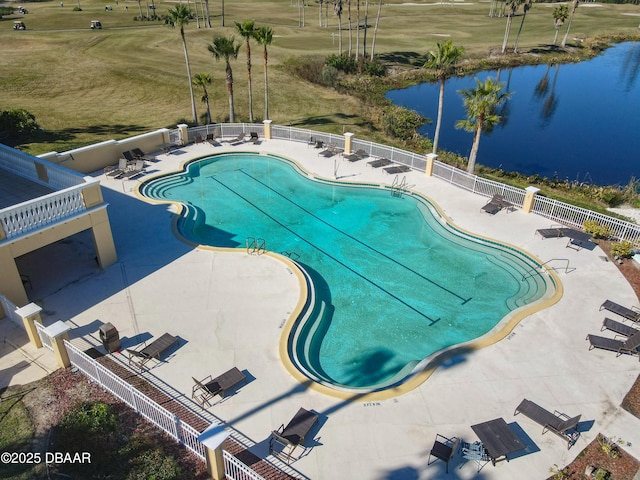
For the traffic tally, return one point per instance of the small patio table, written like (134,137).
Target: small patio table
(498,439)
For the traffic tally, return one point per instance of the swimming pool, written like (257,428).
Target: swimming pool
(392,282)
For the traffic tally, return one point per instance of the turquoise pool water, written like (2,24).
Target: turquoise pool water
(392,282)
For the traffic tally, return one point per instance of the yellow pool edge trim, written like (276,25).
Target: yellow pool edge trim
(416,379)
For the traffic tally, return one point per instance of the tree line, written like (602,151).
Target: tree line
(224,48)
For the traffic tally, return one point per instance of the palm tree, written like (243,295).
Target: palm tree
(574,7)
(441,62)
(513,8)
(226,48)
(337,8)
(247,29)
(560,15)
(264,37)
(202,80)
(481,103)
(526,7)
(179,17)
(375,30)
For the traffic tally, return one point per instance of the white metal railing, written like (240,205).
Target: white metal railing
(138,401)
(39,171)
(10,310)
(552,209)
(234,469)
(37,213)
(44,337)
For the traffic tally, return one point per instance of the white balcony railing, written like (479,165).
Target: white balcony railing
(34,214)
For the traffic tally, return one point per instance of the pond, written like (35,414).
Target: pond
(577,121)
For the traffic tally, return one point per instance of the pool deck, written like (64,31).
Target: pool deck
(230,309)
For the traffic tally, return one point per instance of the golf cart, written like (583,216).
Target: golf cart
(96,25)
(22,10)
(19,25)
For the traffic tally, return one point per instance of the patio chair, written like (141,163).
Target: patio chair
(355,156)
(207,388)
(236,140)
(143,156)
(319,144)
(550,232)
(495,204)
(556,422)
(397,169)
(628,313)
(211,138)
(116,171)
(381,162)
(628,346)
(444,449)
(133,170)
(253,137)
(477,453)
(139,358)
(329,151)
(129,156)
(288,438)
(619,328)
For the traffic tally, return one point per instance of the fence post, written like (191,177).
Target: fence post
(267,129)
(58,332)
(184,133)
(347,143)
(30,314)
(529,199)
(431,159)
(213,438)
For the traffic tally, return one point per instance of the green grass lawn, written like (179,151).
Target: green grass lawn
(89,85)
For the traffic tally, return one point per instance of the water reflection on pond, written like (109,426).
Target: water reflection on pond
(577,121)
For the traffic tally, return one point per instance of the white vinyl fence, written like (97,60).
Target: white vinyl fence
(159,416)
(138,401)
(44,337)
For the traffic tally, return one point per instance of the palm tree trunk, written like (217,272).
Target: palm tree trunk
(223,13)
(436,135)
(555,38)
(186,58)
(506,33)
(249,82)
(229,74)
(364,34)
(375,30)
(350,32)
(515,48)
(266,87)
(471,166)
(339,34)
(357,29)
(140,8)
(320,14)
(206,101)
(206,6)
(573,11)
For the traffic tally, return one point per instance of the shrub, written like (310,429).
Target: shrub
(343,63)
(329,76)
(622,249)
(76,9)
(90,417)
(16,126)
(307,68)
(401,122)
(374,68)
(593,228)
(153,464)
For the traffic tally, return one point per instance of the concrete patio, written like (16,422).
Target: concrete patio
(230,309)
